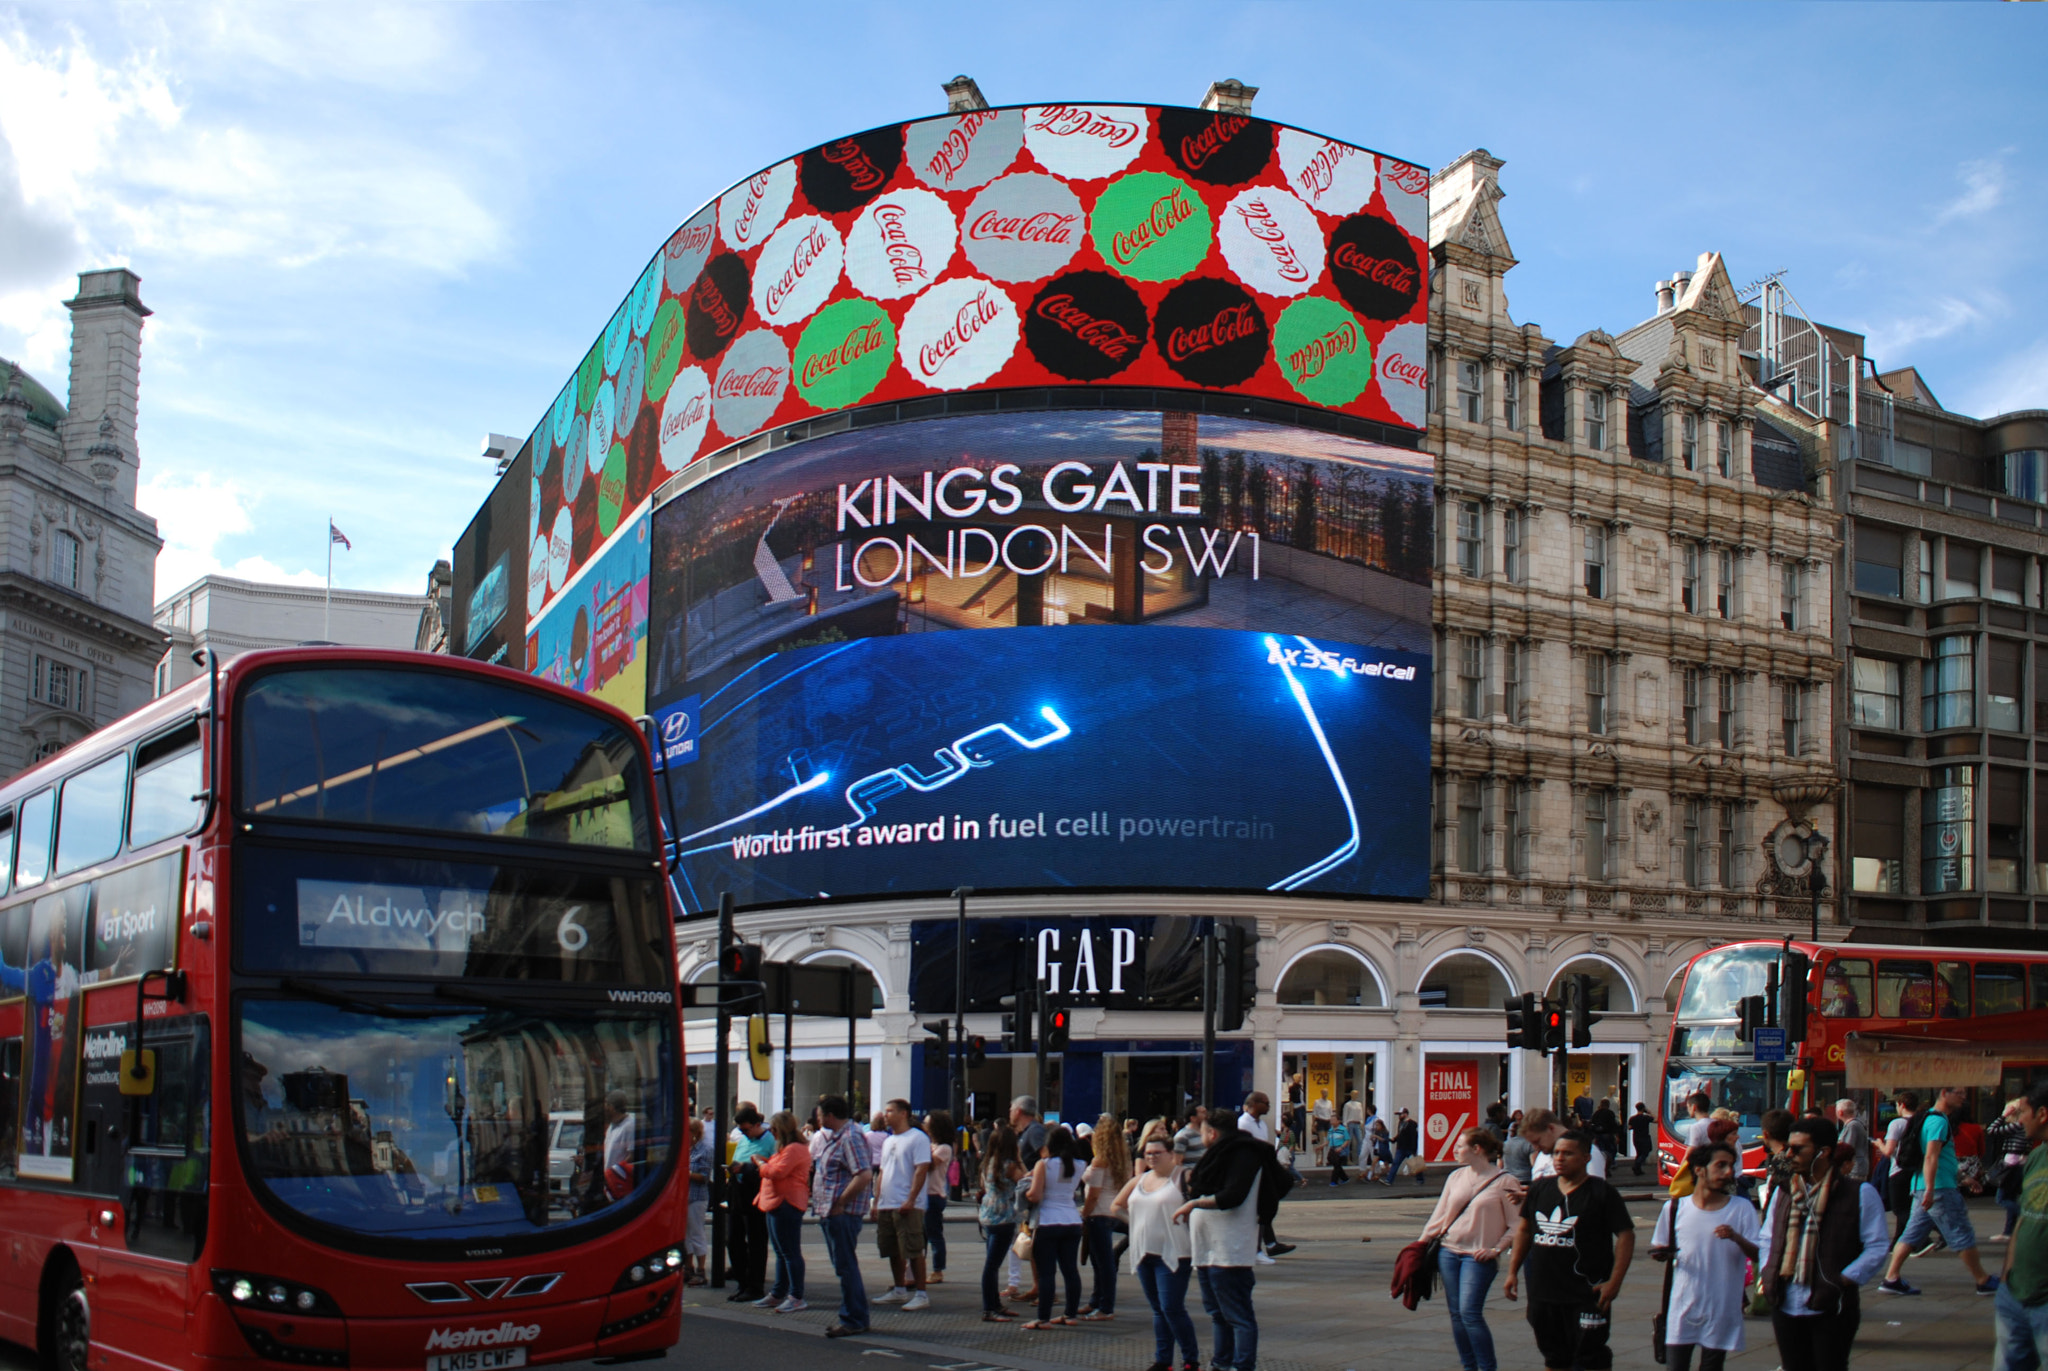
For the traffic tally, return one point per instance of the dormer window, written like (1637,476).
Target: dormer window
(64,560)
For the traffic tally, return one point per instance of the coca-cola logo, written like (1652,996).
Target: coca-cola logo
(958,334)
(1211,332)
(964,151)
(1221,149)
(1261,224)
(1084,142)
(1022,227)
(900,244)
(1407,370)
(1272,241)
(866,337)
(1168,213)
(685,415)
(1375,267)
(718,305)
(1086,325)
(844,175)
(968,321)
(1412,179)
(797,269)
(749,212)
(1307,361)
(1042,227)
(759,383)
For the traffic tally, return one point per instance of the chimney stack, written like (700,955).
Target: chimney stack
(1665,294)
(962,95)
(1230,96)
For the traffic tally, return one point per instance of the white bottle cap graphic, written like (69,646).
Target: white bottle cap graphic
(688,248)
(1085,142)
(958,334)
(1272,241)
(797,269)
(900,244)
(685,413)
(1402,366)
(1023,227)
(751,381)
(753,209)
(966,151)
(1335,178)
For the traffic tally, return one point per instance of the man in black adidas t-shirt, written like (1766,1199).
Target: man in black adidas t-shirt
(1576,1239)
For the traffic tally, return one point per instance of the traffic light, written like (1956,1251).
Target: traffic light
(1751,1013)
(1239,976)
(759,1050)
(1553,1026)
(1798,976)
(1524,1030)
(739,961)
(1053,1021)
(1583,1017)
(941,1029)
(977,1051)
(1017,1024)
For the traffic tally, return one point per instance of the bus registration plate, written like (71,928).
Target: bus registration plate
(486,1359)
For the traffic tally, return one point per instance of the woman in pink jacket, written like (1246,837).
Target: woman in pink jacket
(1476,1218)
(785,1195)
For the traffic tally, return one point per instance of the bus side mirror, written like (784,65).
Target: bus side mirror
(138,1071)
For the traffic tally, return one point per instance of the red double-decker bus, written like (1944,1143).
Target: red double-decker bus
(1877,1019)
(338,1028)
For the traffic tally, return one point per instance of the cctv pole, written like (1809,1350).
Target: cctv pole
(721,1095)
(959,1047)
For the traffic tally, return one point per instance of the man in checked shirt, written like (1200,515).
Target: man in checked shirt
(839,1200)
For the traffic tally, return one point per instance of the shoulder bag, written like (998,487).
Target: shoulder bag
(1661,1319)
(1415,1265)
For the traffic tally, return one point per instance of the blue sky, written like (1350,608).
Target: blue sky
(372,235)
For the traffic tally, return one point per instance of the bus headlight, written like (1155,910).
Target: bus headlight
(667,1262)
(248,1290)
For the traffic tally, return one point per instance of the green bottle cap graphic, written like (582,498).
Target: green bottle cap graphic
(1323,351)
(844,353)
(664,349)
(1151,227)
(611,491)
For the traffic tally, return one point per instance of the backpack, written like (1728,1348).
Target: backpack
(1912,1153)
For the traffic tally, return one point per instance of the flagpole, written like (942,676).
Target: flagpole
(327,603)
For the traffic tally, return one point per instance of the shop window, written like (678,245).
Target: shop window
(1330,977)
(1845,988)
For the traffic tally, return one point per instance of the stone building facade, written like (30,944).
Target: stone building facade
(77,558)
(1635,606)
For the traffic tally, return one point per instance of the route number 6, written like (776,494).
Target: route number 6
(573,937)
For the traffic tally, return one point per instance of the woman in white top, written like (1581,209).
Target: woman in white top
(1160,1251)
(1056,1232)
(938,1126)
(1102,1183)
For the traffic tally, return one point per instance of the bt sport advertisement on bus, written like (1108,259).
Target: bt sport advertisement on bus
(1065,649)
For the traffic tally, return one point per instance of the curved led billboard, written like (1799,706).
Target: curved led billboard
(1065,648)
(1028,247)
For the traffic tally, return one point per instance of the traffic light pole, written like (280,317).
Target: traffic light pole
(959,1047)
(721,1095)
(1038,1046)
(1209,1017)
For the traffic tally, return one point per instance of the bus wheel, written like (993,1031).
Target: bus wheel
(68,1344)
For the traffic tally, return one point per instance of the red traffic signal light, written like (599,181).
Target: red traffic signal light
(1553,1027)
(1056,1023)
(739,962)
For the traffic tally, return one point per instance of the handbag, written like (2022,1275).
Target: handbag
(1415,1265)
(1661,1319)
(1020,1246)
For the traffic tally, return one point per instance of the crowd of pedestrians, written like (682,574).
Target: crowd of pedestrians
(1833,1210)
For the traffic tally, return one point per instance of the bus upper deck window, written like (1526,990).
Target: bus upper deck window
(2001,988)
(167,778)
(1905,990)
(1845,989)
(1951,990)
(6,850)
(37,826)
(89,811)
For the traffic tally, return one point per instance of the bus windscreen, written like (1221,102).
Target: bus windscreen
(412,749)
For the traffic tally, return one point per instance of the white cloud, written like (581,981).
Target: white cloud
(1983,190)
(263,569)
(193,514)
(2019,382)
(1889,337)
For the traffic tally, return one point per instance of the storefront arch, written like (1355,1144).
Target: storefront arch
(1609,975)
(1468,979)
(1331,974)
